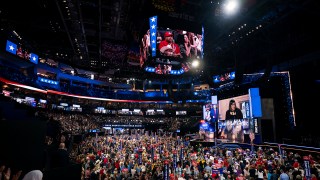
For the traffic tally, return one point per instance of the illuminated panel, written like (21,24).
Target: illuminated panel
(34,58)
(11,47)
(169,51)
(153,35)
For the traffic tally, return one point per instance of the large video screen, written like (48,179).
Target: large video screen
(169,51)
(179,43)
(224,77)
(210,112)
(234,108)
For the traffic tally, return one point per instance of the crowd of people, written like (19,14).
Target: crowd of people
(157,156)
(143,155)
(114,53)
(160,154)
(82,123)
(163,155)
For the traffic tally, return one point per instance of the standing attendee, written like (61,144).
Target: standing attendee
(261,173)
(284,175)
(252,172)
(61,157)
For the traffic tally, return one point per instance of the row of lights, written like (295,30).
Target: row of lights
(17,35)
(76,40)
(68,11)
(61,55)
(247,33)
(164,5)
(244,25)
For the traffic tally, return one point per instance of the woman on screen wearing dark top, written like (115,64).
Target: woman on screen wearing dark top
(233,112)
(185,46)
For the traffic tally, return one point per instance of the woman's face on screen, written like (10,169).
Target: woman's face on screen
(233,106)
(186,39)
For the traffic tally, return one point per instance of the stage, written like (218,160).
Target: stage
(221,143)
(211,142)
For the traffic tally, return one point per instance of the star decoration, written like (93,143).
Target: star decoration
(11,48)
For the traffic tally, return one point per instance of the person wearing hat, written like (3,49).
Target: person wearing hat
(168,47)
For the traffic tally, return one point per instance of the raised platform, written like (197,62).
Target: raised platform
(211,142)
(227,144)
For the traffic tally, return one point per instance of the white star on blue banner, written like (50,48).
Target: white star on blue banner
(216,79)
(153,32)
(34,58)
(232,75)
(11,47)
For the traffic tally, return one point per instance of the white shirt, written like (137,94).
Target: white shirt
(143,168)
(260,174)
(133,171)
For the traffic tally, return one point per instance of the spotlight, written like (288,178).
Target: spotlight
(195,63)
(231,7)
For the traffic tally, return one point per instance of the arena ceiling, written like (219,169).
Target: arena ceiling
(263,33)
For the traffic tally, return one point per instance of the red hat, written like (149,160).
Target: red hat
(167,34)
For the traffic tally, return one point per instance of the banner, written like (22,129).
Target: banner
(307,167)
(280,152)
(140,156)
(160,150)
(181,154)
(152,152)
(216,171)
(166,170)
(174,159)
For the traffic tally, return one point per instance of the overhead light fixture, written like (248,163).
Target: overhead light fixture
(195,63)
(231,7)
